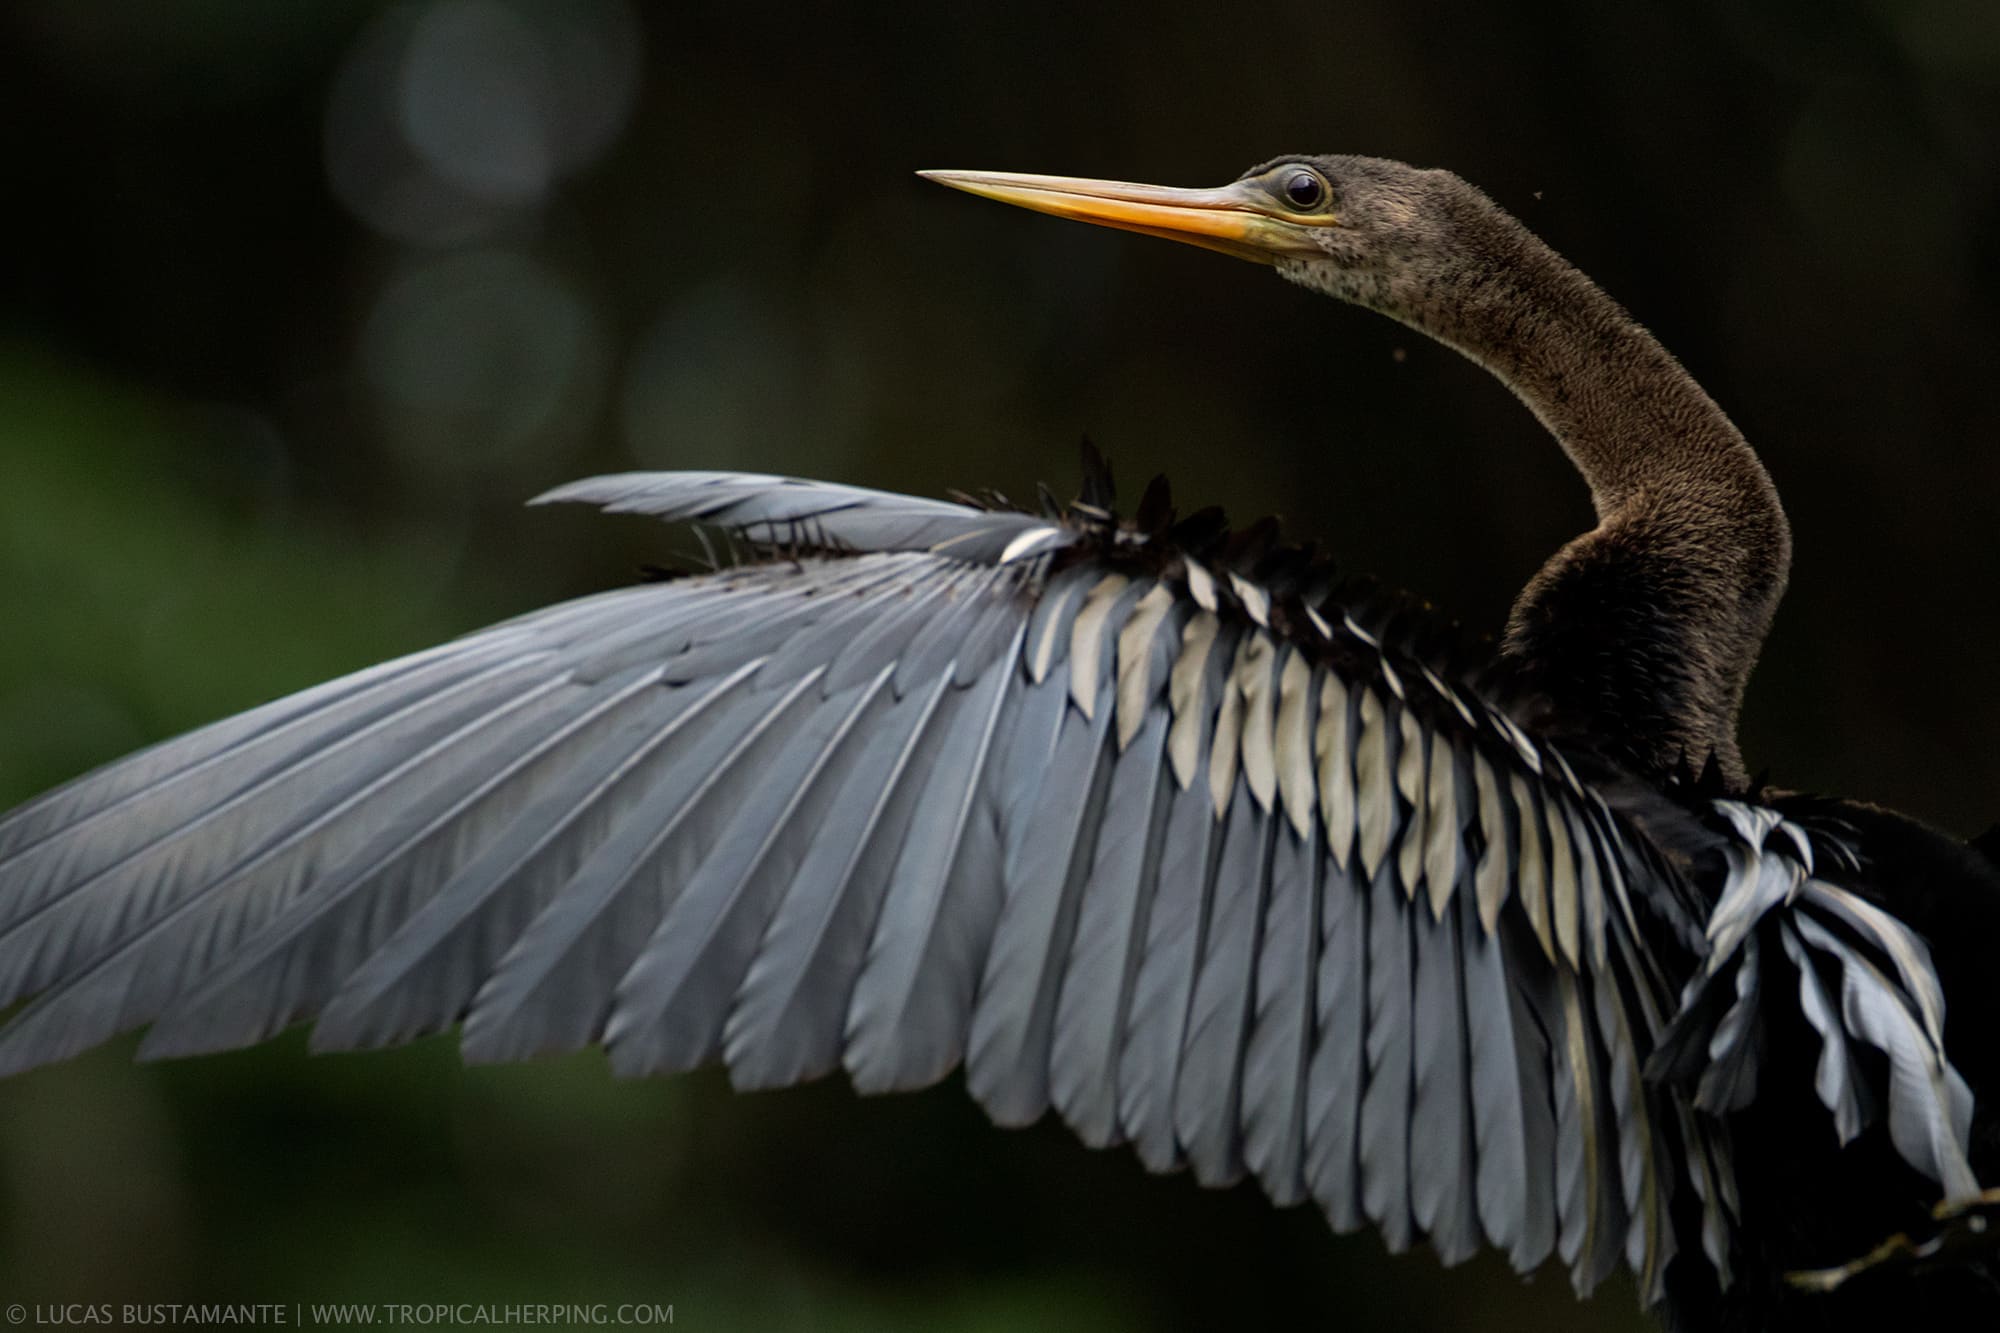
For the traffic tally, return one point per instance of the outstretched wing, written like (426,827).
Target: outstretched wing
(1133,824)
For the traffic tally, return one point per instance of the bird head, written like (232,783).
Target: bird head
(1346,226)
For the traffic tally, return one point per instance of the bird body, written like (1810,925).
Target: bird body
(1158,827)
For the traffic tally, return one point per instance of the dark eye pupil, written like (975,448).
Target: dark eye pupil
(1304,190)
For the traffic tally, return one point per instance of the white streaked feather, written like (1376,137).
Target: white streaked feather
(1563,886)
(1333,752)
(1256,602)
(1135,651)
(1531,881)
(1495,869)
(1028,543)
(1201,585)
(1374,785)
(1187,696)
(1226,748)
(1441,835)
(1086,641)
(1913,965)
(1293,741)
(1253,681)
(1413,781)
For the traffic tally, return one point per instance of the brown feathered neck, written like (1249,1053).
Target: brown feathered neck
(1642,632)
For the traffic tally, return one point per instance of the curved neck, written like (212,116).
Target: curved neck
(1644,630)
(1631,419)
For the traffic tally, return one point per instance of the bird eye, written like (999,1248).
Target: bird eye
(1305,191)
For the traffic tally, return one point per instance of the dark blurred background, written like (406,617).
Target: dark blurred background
(299,301)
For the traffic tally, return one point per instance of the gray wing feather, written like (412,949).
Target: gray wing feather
(1384,1136)
(1093,1007)
(1930,1107)
(703,615)
(134,935)
(119,857)
(1442,1190)
(123,802)
(1277,1063)
(670,1007)
(552,990)
(1013,1024)
(290,968)
(1909,959)
(906,1024)
(1339,1069)
(886,636)
(1207,1093)
(1729,1082)
(423,977)
(1513,1126)
(788,510)
(1054,616)
(963,640)
(1163,989)
(1638,1179)
(1574,1158)
(1028,761)
(790,1018)
(1609,1220)
(1012,1041)
(1833,1078)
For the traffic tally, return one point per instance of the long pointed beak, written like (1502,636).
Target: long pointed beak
(1238,219)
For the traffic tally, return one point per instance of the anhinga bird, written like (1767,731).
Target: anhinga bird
(1152,825)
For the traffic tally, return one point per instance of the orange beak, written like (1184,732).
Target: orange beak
(1239,219)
